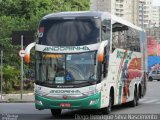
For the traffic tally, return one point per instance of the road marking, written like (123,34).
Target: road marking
(158,103)
(142,100)
(151,101)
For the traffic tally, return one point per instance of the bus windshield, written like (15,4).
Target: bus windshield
(66,68)
(69,32)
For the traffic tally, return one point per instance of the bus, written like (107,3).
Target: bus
(88,60)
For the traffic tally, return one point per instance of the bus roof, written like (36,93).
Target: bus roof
(70,14)
(125,22)
(76,14)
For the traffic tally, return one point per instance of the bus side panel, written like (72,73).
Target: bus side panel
(105,91)
(125,71)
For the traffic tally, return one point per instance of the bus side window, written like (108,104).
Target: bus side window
(113,47)
(114,40)
(133,38)
(119,36)
(105,29)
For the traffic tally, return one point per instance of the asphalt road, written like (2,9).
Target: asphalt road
(150,104)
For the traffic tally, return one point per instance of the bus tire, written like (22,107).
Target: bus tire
(107,110)
(135,100)
(56,112)
(150,79)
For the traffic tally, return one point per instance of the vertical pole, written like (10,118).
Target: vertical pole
(111,46)
(1,72)
(21,68)
(150,28)
(142,15)
(156,38)
(144,51)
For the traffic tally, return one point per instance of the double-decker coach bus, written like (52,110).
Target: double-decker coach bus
(88,60)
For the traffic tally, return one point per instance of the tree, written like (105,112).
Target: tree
(28,8)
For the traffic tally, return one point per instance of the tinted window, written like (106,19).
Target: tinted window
(106,28)
(69,32)
(125,37)
(154,72)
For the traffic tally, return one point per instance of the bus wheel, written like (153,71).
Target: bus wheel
(107,110)
(150,79)
(56,112)
(135,100)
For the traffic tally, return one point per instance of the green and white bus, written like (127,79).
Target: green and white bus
(88,60)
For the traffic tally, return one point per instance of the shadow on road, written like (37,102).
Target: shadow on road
(83,114)
(68,114)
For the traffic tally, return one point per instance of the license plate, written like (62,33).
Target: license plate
(65,105)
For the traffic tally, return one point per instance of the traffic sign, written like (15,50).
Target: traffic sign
(28,37)
(22,53)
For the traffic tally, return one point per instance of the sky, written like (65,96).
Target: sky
(156,2)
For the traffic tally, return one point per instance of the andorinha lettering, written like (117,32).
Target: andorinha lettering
(70,48)
(65,91)
(52,56)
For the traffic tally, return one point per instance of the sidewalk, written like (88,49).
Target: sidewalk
(16,98)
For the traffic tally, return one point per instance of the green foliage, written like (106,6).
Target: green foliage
(9,24)
(23,8)
(10,75)
(70,5)
(10,52)
(29,8)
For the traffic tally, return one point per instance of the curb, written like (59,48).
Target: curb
(17,101)
(12,98)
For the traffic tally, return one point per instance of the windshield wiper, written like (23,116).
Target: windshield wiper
(93,82)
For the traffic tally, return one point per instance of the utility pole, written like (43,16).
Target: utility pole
(1,72)
(21,68)
(142,22)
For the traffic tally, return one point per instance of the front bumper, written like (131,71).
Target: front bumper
(90,102)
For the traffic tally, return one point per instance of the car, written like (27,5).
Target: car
(154,75)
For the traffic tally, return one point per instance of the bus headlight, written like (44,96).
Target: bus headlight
(93,102)
(40,93)
(91,92)
(38,102)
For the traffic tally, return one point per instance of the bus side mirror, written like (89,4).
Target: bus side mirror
(100,53)
(27,52)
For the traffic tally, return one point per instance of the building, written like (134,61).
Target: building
(131,10)
(144,12)
(101,5)
(135,12)
(121,8)
(151,18)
